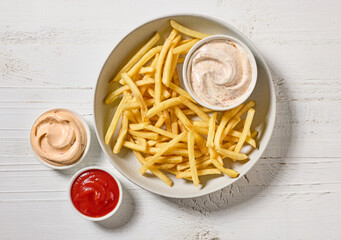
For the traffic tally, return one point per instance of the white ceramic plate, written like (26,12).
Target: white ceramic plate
(125,162)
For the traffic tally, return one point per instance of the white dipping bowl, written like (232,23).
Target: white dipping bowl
(108,215)
(88,138)
(186,71)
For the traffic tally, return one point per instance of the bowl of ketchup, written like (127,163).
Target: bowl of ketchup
(95,193)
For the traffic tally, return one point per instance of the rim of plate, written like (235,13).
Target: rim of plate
(273,101)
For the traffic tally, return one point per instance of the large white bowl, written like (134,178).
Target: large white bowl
(125,162)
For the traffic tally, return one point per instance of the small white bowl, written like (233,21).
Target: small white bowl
(188,85)
(88,136)
(108,215)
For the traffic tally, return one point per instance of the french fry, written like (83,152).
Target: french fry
(180,91)
(160,131)
(175,128)
(184,48)
(168,159)
(114,122)
(159,65)
(130,106)
(145,70)
(168,69)
(136,93)
(165,166)
(148,135)
(226,117)
(149,55)
(154,170)
(142,142)
(191,158)
(201,172)
(137,56)
(160,121)
(174,151)
(175,140)
(130,116)
(187,31)
(122,134)
(134,146)
(194,108)
(163,106)
(115,94)
(138,126)
(229,172)
(231,154)
(167,121)
(247,125)
(211,130)
(189,112)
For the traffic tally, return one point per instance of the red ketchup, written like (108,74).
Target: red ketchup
(95,193)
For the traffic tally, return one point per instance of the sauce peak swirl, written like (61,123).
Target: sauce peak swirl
(59,137)
(220,72)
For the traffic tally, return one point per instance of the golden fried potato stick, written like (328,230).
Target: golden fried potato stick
(145,70)
(232,154)
(149,55)
(211,130)
(175,151)
(180,91)
(165,166)
(154,170)
(187,31)
(136,92)
(184,48)
(160,121)
(184,165)
(175,140)
(226,117)
(137,56)
(130,116)
(122,134)
(168,159)
(114,121)
(168,69)
(134,146)
(229,172)
(195,108)
(160,131)
(191,158)
(247,125)
(236,118)
(114,94)
(201,172)
(148,135)
(163,106)
(159,65)
(138,126)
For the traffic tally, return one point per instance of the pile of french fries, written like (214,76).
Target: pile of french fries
(161,123)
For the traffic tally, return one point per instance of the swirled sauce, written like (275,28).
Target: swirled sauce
(95,193)
(220,73)
(59,137)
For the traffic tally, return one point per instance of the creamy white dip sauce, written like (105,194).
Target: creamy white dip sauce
(220,73)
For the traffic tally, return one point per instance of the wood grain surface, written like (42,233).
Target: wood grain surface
(51,53)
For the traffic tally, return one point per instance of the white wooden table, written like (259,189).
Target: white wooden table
(51,53)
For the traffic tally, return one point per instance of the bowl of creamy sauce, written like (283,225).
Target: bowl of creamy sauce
(60,138)
(220,72)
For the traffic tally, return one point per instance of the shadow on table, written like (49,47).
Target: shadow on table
(263,172)
(123,214)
